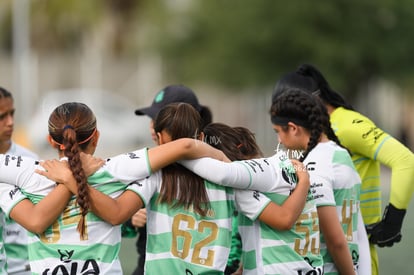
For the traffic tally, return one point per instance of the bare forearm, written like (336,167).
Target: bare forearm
(114,211)
(287,213)
(101,204)
(296,201)
(342,258)
(38,217)
(184,148)
(200,149)
(51,206)
(335,240)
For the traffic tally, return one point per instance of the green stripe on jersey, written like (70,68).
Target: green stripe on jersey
(102,252)
(342,157)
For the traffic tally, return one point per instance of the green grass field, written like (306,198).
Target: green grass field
(396,260)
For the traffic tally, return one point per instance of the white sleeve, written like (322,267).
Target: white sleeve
(146,188)
(233,174)
(10,195)
(250,203)
(17,170)
(255,174)
(364,265)
(129,166)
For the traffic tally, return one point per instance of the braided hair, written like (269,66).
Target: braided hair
(297,106)
(72,125)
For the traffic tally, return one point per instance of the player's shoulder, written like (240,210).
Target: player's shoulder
(19,150)
(129,156)
(343,115)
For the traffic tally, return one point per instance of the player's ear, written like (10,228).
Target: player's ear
(51,141)
(96,138)
(160,139)
(201,136)
(292,126)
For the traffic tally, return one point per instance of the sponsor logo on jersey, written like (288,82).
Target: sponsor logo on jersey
(313,192)
(289,175)
(288,171)
(256,195)
(12,232)
(315,271)
(255,165)
(89,267)
(9,158)
(310,166)
(70,267)
(13,192)
(355,257)
(133,155)
(137,182)
(65,255)
(375,131)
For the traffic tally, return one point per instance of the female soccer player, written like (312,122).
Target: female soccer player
(369,146)
(302,123)
(239,143)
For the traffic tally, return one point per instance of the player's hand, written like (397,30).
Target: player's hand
(90,164)
(301,171)
(59,172)
(55,170)
(388,230)
(139,219)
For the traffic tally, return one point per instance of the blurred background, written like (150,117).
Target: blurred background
(115,55)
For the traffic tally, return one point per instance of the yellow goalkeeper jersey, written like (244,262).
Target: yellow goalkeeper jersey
(370,146)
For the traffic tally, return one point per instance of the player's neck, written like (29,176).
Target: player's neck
(330,108)
(5,146)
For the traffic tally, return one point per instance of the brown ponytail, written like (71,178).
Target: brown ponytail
(71,126)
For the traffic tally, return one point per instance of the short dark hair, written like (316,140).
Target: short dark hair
(4,93)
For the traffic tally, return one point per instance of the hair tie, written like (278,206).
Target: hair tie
(67,127)
(89,138)
(62,147)
(239,146)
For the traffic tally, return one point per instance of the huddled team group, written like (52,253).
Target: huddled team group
(207,207)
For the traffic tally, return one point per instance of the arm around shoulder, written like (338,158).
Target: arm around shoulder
(183,148)
(283,217)
(38,217)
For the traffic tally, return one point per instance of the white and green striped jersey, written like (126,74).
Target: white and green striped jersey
(9,196)
(2,253)
(180,241)
(269,251)
(14,235)
(59,250)
(335,182)
(266,250)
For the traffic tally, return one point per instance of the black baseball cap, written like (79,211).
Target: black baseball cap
(170,94)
